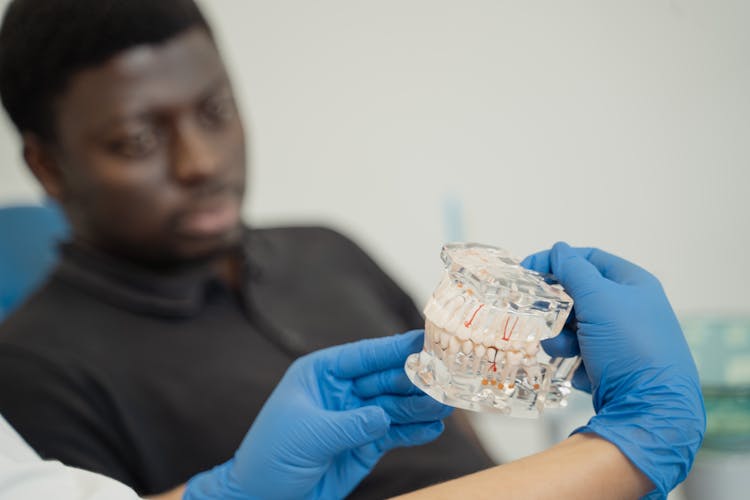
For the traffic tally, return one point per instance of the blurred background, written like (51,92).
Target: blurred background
(407,123)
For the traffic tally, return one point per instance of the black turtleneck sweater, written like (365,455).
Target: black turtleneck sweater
(150,379)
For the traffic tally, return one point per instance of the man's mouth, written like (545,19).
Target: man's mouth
(210,219)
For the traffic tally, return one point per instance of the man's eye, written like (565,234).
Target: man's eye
(218,111)
(136,145)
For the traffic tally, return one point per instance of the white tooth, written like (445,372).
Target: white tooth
(444,313)
(514,357)
(450,318)
(476,335)
(533,329)
(500,344)
(496,324)
(491,353)
(483,316)
(544,331)
(531,348)
(431,309)
(445,318)
(519,326)
(454,345)
(427,336)
(511,332)
(444,291)
(438,331)
(462,332)
(437,316)
(472,315)
(444,340)
(489,339)
(467,347)
(479,350)
(435,335)
(536,326)
(454,305)
(455,321)
(504,328)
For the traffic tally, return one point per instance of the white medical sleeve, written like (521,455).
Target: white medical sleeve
(23,475)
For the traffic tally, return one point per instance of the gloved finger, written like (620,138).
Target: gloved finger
(617,269)
(361,358)
(565,345)
(610,266)
(576,274)
(410,435)
(411,409)
(540,261)
(339,431)
(581,380)
(392,381)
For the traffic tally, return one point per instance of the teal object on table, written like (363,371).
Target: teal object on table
(721,347)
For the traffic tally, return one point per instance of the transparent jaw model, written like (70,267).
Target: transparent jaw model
(483,327)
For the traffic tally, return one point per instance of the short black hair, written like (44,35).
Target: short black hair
(43,43)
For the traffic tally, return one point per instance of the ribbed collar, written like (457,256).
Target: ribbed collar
(142,290)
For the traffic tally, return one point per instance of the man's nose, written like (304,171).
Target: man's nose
(194,156)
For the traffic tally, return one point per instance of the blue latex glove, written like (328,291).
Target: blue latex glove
(325,426)
(636,363)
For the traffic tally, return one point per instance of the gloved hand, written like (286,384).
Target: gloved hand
(636,363)
(325,426)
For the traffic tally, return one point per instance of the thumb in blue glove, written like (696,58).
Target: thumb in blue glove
(636,362)
(330,419)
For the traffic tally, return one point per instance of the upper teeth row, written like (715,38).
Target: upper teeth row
(514,350)
(459,312)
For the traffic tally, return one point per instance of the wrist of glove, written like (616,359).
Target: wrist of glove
(215,484)
(647,399)
(636,362)
(655,426)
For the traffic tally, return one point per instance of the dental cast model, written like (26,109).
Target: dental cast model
(483,327)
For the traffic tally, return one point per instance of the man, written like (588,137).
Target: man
(168,323)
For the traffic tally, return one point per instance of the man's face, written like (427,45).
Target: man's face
(152,153)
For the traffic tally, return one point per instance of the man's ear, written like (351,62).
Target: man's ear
(41,161)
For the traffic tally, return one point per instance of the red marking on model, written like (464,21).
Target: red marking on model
(505,327)
(506,333)
(493,363)
(467,324)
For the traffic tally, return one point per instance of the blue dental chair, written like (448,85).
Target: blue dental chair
(29,235)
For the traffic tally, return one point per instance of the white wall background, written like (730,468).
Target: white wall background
(624,125)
